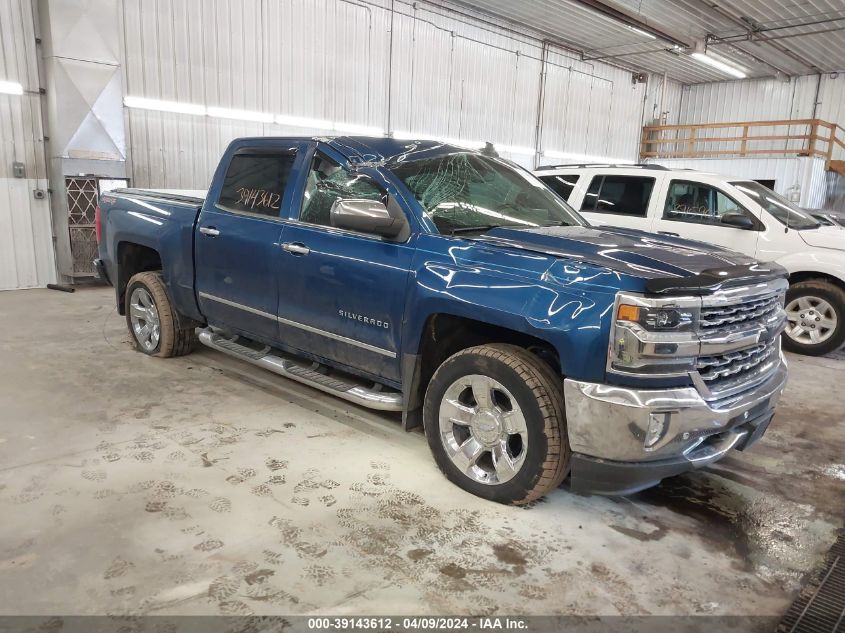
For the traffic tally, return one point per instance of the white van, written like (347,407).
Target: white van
(741,215)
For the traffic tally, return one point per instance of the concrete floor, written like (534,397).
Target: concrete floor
(202,485)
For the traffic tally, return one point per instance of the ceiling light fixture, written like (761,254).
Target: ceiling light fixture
(178,107)
(586,158)
(364,130)
(507,149)
(239,115)
(143,103)
(11,88)
(719,65)
(641,32)
(298,121)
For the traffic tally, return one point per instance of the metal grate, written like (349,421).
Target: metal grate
(81,206)
(821,606)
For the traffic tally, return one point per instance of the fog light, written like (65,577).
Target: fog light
(658,423)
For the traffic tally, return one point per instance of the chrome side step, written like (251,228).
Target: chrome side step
(311,374)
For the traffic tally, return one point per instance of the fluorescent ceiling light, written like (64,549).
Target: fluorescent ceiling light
(11,88)
(514,149)
(298,121)
(364,130)
(415,136)
(508,149)
(164,106)
(586,158)
(719,65)
(240,115)
(249,115)
(641,32)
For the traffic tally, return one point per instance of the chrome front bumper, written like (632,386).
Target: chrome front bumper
(608,426)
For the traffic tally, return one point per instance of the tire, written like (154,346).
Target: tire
(174,337)
(537,460)
(814,302)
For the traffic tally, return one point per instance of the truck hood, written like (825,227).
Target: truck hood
(825,237)
(665,261)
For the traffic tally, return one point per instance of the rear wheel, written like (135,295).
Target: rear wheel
(157,328)
(494,419)
(815,311)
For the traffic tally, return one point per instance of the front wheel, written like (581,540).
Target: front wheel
(495,421)
(815,311)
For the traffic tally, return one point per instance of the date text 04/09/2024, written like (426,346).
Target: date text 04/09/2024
(417,623)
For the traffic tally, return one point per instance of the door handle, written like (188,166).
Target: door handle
(669,233)
(295,248)
(209,230)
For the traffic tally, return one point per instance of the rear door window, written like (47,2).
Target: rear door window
(255,182)
(620,195)
(562,185)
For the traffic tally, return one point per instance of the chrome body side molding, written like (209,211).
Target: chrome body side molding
(301,326)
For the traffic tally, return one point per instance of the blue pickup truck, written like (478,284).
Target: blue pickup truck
(454,287)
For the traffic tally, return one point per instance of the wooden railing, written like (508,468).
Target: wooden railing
(792,137)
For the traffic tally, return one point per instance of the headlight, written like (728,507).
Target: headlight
(659,319)
(654,336)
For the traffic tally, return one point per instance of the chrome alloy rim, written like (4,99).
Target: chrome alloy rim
(812,320)
(483,429)
(143,315)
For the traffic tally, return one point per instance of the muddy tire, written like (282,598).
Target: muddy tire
(156,327)
(815,310)
(495,421)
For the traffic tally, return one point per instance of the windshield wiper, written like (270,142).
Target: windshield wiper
(473,229)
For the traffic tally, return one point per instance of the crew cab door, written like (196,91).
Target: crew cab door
(342,293)
(237,251)
(698,210)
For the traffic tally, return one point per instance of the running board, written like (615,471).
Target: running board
(311,374)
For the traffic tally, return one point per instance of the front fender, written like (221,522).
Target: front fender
(824,261)
(569,307)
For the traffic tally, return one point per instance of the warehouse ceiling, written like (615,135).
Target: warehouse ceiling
(763,38)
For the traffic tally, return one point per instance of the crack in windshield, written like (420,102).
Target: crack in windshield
(463,192)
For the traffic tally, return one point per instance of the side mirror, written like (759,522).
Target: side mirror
(738,220)
(366,216)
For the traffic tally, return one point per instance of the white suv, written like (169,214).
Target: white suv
(741,215)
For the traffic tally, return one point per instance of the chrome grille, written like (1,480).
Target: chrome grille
(715,369)
(739,313)
(745,320)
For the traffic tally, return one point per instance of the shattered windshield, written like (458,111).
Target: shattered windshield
(463,192)
(782,209)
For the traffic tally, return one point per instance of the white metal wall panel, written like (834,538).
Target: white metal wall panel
(753,100)
(831,106)
(419,69)
(26,240)
(767,99)
(590,112)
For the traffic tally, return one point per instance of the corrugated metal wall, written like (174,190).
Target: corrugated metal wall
(418,68)
(765,100)
(590,111)
(26,240)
